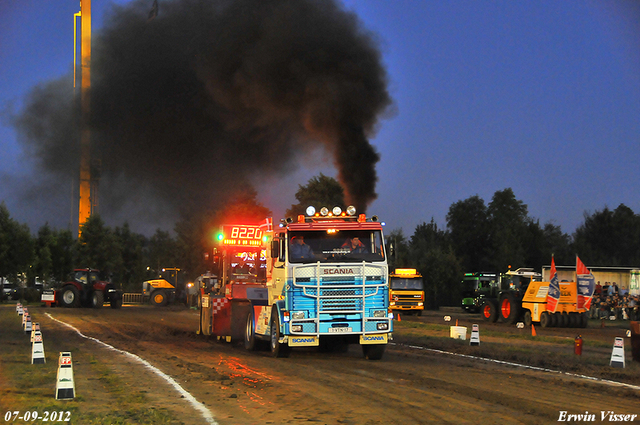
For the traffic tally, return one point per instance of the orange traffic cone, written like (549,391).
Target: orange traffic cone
(399,319)
(533,330)
(456,322)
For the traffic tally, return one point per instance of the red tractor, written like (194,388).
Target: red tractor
(88,289)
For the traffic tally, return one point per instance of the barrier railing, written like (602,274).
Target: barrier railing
(132,298)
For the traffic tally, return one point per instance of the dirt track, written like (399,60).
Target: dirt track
(408,386)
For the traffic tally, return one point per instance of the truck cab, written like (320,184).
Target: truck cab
(327,283)
(406,291)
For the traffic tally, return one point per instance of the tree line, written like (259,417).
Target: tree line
(478,236)
(491,237)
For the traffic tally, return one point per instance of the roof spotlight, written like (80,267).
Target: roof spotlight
(311,210)
(374,218)
(324,211)
(351,210)
(337,210)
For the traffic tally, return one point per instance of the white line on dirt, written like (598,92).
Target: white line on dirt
(541,369)
(206,413)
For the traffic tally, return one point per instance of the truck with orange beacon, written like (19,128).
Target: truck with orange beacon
(325,285)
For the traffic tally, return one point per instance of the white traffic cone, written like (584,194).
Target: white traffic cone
(475,335)
(617,355)
(65,387)
(18,308)
(28,326)
(37,349)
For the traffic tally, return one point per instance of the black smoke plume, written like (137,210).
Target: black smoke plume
(189,106)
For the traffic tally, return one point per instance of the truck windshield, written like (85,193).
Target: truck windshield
(404,283)
(336,245)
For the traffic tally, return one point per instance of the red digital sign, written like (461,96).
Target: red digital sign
(241,235)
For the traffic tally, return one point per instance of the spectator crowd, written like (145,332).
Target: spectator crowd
(609,302)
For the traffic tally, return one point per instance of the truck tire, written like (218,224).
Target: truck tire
(554,319)
(97,299)
(159,298)
(509,309)
(277,349)
(564,319)
(527,318)
(69,296)
(545,320)
(251,342)
(490,311)
(574,320)
(373,351)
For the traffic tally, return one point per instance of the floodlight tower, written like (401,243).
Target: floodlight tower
(88,187)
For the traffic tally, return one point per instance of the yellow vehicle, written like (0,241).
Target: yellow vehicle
(406,291)
(567,314)
(162,290)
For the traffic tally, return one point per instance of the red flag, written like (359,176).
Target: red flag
(554,288)
(586,285)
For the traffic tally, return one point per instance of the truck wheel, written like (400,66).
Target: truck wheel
(277,349)
(527,318)
(554,319)
(251,343)
(159,298)
(545,320)
(69,296)
(509,310)
(373,351)
(564,319)
(490,311)
(97,299)
(574,320)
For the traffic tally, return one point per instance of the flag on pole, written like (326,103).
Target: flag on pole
(154,10)
(586,284)
(554,289)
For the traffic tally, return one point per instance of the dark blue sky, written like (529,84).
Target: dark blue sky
(542,97)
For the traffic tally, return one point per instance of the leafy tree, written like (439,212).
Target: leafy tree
(97,246)
(433,256)
(400,257)
(16,246)
(609,237)
(43,262)
(556,244)
(507,230)
(162,251)
(62,255)
(320,191)
(132,270)
(468,224)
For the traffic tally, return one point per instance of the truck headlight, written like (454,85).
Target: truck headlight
(382,326)
(297,315)
(379,313)
(296,328)
(420,304)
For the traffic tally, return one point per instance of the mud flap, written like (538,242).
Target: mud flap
(239,311)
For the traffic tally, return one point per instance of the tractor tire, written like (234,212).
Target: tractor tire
(490,311)
(97,299)
(159,298)
(527,318)
(545,320)
(373,351)
(69,296)
(277,349)
(509,309)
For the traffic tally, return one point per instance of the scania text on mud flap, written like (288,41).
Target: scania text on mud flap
(327,282)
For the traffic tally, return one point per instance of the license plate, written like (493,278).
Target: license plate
(340,330)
